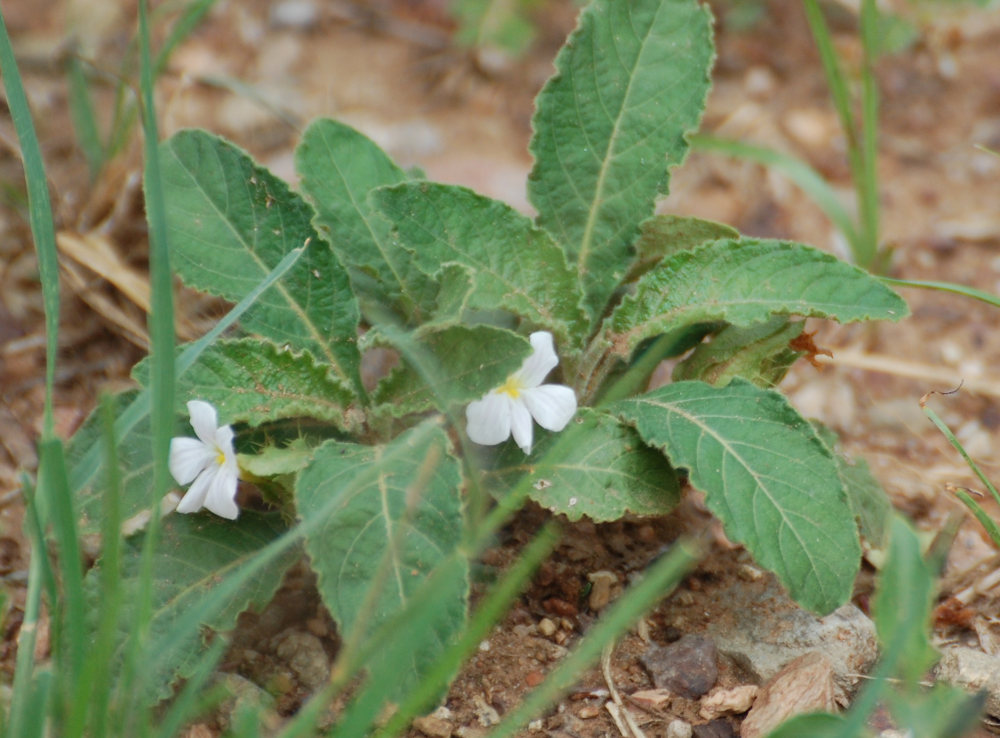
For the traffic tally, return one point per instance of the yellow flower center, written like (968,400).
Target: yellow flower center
(220,457)
(511,387)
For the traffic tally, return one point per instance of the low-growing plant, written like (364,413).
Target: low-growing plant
(388,477)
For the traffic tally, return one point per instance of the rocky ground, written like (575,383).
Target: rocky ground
(257,71)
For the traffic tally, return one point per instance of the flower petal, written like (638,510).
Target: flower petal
(221,497)
(204,420)
(487,421)
(542,360)
(551,405)
(194,498)
(189,457)
(520,425)
(223,440)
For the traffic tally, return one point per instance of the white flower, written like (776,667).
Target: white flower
(209,460)
(508,410)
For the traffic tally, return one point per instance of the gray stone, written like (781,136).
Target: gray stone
(686,667)
(757,625)
(971,669)
(679,729)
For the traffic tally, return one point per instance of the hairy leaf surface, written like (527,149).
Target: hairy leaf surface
(391,514)
(230,222)
(513,265)
(194,553)
(630,83)
(766,475)
(442,366)
(745,282)
(596,467)
(253,381)
(339,168)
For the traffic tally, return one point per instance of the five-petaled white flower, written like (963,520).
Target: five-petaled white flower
(209,460)
(508,410)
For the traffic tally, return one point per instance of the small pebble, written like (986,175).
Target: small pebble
(546,627)
(723,701)
(299,15)
(601,592)
(687,667)
(679,729)
(588,712)
(433,727)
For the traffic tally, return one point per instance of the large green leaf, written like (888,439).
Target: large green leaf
(513,265)
(663,235)
(766,475)
(744,282)
(596,467)
(902,604)
(230,222)
(135,464)
(339,167)
(392,513)
(631,82)
(194,553)
(254,381)
(443,366)
(872,506)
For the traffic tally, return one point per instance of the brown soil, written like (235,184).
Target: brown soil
(389,68)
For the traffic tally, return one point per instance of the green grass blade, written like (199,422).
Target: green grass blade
(946,431)
(89,463)
(95,691)
(988,523)
(161,330)
(70,642)
(660,578)
(40,214)
(81,109)
(496,603)
(862,169)
(189,19)
(23,698)
(803,175)
(868,200)
(194,698)
(955,289)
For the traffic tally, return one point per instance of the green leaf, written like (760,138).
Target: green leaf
(339,168)
(514,266)
(254,381)
(663,235)
(744,282)
(445,366)
(596,467)
(759,352)
(230,222)
(902,605)
(194,553)
(767,477)
(867,498)
(398,513)
(135,464)
(631,82)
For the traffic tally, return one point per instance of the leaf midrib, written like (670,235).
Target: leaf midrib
(264,269)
